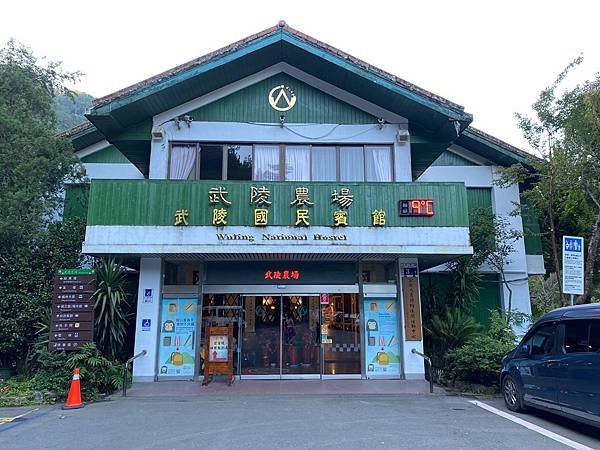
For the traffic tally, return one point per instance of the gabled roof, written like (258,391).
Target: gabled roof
(124,117)
(492,148)
(281,27)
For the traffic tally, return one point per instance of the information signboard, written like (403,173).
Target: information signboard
(412,304)
(382,355)
(72,320)
(572,265)
(219,344)
(176,354)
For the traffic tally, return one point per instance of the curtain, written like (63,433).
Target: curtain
(266,163)
(297,163)
(352,166)
(323,163)
(379,163)
(183,159)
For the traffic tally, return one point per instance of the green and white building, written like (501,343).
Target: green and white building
(298,194)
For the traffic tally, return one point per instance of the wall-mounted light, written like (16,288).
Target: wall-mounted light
(281,120)
(402,136)
(381,122)
(158,134)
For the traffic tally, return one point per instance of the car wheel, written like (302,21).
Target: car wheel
(513,396)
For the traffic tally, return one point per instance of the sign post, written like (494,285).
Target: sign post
(72,322)
(572,266)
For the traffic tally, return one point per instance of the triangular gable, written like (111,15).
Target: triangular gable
(449,158)
(251,104)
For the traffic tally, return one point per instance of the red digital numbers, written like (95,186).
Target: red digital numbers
(416,207)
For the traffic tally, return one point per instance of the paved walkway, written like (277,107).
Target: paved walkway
(283,422)
(277,387)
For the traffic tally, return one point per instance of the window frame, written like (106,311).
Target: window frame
(589,323)
(528,340)
(282,155)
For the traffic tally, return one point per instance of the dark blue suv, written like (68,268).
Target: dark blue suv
(556,367)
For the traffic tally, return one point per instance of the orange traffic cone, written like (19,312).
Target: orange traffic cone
(74,397)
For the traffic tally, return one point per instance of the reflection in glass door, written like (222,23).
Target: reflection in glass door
(301,350)
(341,335)
(281,336)
(261,345)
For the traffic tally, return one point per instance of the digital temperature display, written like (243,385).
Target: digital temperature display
(422,207)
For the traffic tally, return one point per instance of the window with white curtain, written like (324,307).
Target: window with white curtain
(183,162)
(261,162)
(324,163)
(297,163)
(378,163)
(352,164)
(266,162)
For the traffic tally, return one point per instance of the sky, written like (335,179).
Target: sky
(492,57)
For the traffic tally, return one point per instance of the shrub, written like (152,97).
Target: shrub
(99,375)
(479,360)
(450,330)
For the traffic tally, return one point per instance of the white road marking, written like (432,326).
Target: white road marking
(4,420)
(531,426)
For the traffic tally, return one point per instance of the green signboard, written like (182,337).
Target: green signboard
(289,204)
(76,271)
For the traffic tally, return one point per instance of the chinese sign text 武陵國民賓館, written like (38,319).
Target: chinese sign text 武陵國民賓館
(301,205)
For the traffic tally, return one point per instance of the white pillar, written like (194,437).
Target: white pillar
(505,200)
(146,333)
(414,365)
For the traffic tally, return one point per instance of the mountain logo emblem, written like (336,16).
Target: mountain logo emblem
(282,98)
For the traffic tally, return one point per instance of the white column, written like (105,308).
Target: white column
(505,200)
(146,334)
(402,157)
(414,365)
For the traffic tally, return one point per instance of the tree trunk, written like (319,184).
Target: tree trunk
(554,246)
(590,261)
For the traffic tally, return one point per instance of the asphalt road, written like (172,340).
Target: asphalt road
(286,422)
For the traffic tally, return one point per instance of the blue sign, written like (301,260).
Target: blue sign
(147,295)
(573,244)
(146,324)
(573,274)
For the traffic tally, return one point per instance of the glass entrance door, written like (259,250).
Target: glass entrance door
(261,341)
(281,337)
(301,349)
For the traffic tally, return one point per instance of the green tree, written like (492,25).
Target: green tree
(111,307)
(581,126)
(34,163)
(563,180)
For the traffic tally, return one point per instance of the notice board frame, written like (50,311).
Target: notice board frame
(212,368)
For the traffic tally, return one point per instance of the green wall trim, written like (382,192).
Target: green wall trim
(479,198)
(110,154)
(154,202)
(449,158)
(251,104)
(531,229)
(487,299)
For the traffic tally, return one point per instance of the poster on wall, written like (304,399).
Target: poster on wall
(382,355)
(176,354)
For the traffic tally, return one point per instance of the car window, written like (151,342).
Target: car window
(595,336)
(577,336)
(542,341)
